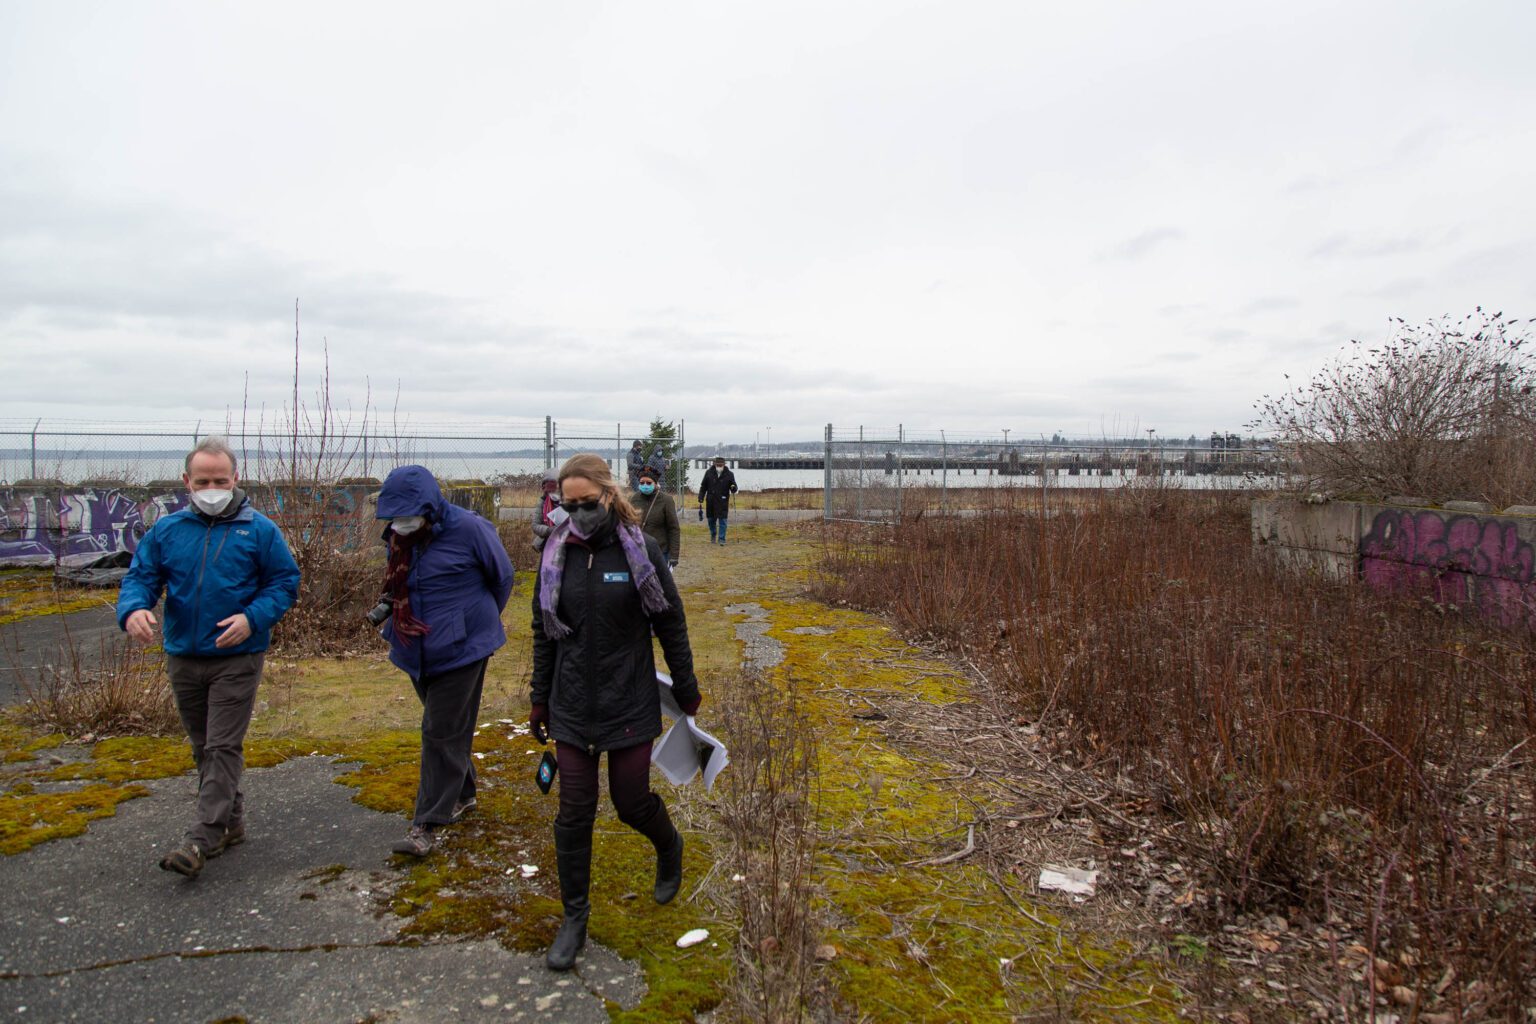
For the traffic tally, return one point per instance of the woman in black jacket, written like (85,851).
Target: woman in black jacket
(603,587)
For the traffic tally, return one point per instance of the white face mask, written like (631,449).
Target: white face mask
(212,500)
(407,524)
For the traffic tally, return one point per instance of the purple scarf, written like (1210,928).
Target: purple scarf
(552,570)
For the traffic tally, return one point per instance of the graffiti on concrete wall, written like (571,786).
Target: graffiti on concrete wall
(1479,562)
(38,527)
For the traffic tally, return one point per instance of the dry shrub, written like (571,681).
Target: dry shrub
(121,692)
(1322,744)
(517,537)
(341,567)
(767,807)
(1443,410)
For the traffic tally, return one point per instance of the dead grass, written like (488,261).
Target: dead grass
(767,811)
(1314,747)
(121,691)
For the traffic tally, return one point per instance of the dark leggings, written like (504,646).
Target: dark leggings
(629,785)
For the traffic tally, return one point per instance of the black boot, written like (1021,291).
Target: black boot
(573,859)
(668,841)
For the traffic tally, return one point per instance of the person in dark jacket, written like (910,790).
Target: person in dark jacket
(447,579)
(603,587)
(715,492)
(658,515)
(228,577)
(549,500)
(636,460)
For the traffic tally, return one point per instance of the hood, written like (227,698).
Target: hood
(411,491)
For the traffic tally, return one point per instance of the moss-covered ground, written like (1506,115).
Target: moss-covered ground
(910,941)
(27,593)
(913,941)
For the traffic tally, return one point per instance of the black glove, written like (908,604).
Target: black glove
(538,722)
(701,513)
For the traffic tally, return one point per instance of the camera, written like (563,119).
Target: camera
(381,611)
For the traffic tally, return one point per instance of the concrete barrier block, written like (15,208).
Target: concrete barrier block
(1333,527)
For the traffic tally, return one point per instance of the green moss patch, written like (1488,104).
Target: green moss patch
(29,593)
(125,758)
(916,941)
(472,884)
(28,818)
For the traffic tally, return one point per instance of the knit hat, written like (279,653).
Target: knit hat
(648,473)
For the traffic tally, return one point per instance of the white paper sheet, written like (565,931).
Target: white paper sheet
(684,749)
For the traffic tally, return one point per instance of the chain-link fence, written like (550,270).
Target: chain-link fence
(94,490)
(874,474)
(148,456)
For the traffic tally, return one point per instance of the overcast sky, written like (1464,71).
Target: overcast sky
(1094,217)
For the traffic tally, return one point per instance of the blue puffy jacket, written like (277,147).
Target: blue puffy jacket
(209,569)
(460,579)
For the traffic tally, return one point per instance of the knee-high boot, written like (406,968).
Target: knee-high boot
(658,828)
(573,860)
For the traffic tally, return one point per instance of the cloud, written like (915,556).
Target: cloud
(1268,304)
(1138,246)
(1396,288)
(1352,247)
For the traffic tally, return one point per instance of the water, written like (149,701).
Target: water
(142,467)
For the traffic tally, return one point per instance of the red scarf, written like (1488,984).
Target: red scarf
(396,579)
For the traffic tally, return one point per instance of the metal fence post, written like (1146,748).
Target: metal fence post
(34,446)
(859,508)
(944,484)
(901,454)
(826,475)
(549,443)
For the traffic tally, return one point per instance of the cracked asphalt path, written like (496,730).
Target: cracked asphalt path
(290,926)
(28,645)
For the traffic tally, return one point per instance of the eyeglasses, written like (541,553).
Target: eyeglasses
(585,506)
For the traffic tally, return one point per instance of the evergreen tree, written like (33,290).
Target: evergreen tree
(663,442)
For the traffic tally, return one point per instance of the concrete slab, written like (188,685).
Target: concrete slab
(29,644)
(291,926)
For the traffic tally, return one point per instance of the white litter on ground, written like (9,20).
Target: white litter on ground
(1074,881)
(692,938)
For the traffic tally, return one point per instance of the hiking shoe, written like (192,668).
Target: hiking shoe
(187,859)
(461,808)
(233,836)
(418,842)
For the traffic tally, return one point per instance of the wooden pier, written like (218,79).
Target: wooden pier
(1015,462)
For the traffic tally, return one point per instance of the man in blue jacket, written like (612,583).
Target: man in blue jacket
(227,576)
(447,580)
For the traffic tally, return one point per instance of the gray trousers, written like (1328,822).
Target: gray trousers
(450,702)
(214,697)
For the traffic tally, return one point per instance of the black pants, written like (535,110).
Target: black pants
(629,785)
(450,703)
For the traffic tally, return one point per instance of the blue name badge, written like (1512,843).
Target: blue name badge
(615,577)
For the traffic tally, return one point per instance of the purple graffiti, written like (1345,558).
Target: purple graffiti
(1460,560)
(39,527)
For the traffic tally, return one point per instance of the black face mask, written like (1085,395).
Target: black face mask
(585,522)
